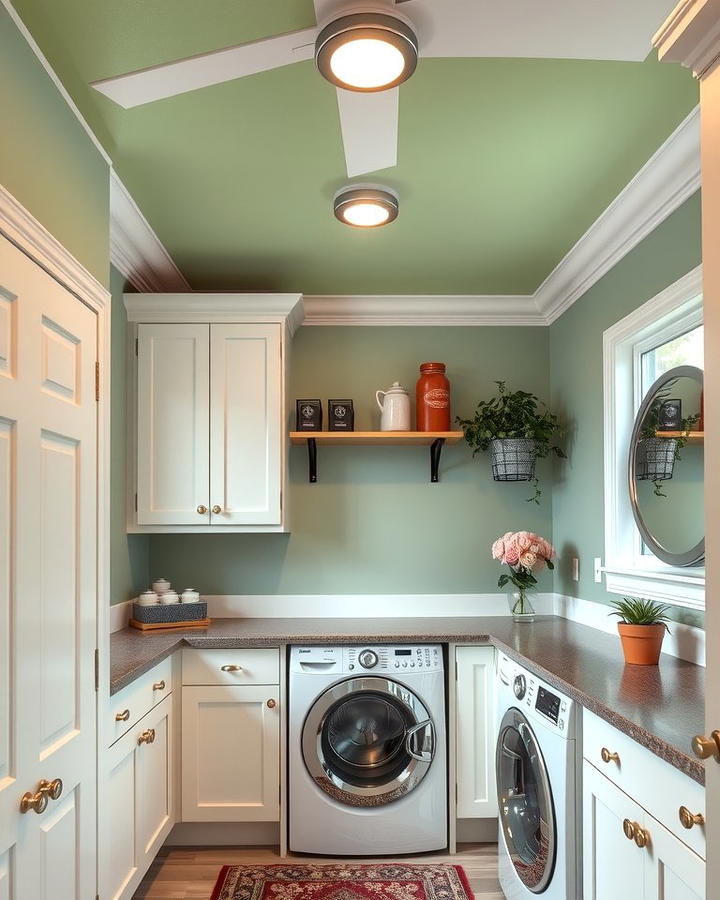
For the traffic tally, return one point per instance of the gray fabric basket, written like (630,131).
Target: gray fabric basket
(158,613)
(655,459)
(513,459)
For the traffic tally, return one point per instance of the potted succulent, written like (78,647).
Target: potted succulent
(517,428)
(642,627)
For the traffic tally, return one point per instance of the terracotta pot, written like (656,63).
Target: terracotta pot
(641,643)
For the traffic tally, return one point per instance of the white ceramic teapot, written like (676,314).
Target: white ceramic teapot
(395,407)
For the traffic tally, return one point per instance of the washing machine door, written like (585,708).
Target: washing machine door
(527,814)
(368,741)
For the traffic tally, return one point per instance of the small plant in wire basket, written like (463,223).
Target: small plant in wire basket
(518,429)
(658,453)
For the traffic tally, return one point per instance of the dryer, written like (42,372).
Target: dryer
(367,750)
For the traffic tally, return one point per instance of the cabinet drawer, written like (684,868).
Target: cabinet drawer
(138,698)
(657,786)
(231,666)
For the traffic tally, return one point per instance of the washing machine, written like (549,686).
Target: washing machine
(538,768)
(367,752)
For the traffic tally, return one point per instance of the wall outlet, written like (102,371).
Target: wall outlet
(575,569)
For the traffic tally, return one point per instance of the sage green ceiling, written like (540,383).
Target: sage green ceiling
(503,163)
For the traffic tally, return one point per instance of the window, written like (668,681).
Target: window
(665,332)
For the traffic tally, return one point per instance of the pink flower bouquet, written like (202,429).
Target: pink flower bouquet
(525,553)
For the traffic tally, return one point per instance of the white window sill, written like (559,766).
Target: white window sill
(687,590)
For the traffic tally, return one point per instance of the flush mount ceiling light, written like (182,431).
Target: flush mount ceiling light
(365,207)
(366,52)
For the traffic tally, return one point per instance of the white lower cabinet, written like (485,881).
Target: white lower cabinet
(475,732)
(139,799)
(230,753)
(615,866)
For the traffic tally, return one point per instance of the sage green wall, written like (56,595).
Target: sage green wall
(576,378)
(129,563)
(47,160)
(373,523)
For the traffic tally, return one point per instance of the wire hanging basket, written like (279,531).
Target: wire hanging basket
(513,459)
(655,459)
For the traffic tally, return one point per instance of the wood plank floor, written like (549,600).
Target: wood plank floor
(188,873)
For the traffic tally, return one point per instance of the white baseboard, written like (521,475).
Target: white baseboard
(684,641)
(224,834)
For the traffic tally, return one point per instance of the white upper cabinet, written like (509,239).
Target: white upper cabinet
(208,411)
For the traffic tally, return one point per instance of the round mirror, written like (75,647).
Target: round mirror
(665,468)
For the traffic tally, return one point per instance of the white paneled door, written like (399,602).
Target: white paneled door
(245,443)
(475,723)
(48,585)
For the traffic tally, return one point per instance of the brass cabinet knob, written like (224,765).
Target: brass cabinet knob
(122,716)
(704,747)
(35,802)
(607,756)
(271,704)
(628,829)
(53,788)
(147,737)
(642,837)
(217,509)
(202,510)
(231,668)
(159,686)
(688,819)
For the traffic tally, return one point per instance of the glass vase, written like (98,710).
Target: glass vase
(521,608)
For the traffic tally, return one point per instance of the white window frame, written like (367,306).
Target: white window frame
(672,312)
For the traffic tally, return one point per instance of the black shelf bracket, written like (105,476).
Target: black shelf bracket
(312,460)
(435,451)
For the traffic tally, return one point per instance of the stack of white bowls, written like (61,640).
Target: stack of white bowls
(162,592)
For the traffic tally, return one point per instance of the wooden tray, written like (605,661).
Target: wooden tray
(164,626)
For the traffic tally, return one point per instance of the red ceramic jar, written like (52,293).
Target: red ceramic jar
(433,398)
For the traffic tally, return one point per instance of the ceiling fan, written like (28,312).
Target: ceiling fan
(368,107)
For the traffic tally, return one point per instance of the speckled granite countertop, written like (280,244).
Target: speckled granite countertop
(660,707)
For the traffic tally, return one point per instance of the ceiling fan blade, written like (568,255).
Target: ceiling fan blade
(369,124)
(171,79)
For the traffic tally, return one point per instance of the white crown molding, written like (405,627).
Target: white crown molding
(664,183)
(421,309)
(208,307)
(135,250)
(691,36)
(24,230)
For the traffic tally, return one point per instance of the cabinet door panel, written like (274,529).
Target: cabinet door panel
(120,864)
(173,424)
(613,865)
(674,871)
(153,782)
(476,791)
(230,754)
(245,424)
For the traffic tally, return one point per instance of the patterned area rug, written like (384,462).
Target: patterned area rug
(385,881)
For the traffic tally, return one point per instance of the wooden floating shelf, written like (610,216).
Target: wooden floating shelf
(690,435)
(433,439)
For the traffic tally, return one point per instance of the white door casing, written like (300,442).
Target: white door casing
(475,725)
(48,585)
(245,436)
(173,426)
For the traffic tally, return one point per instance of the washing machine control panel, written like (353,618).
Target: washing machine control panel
(391,658)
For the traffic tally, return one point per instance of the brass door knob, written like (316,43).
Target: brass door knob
(688,819)
(53,788)
(231,668)
(159,686)
(35,802)
(628,829)
(642,837)
(271,704)
(704,747)
(607,756)
(122,716)
(147,737)
(217,509)
(202,510)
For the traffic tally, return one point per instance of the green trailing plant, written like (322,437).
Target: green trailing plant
(651,429)
(511,415)
(640,611)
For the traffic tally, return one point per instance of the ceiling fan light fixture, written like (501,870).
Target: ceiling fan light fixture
(366,52)
(365,207)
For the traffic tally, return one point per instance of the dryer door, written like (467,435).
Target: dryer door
(527,814)
(368,741)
